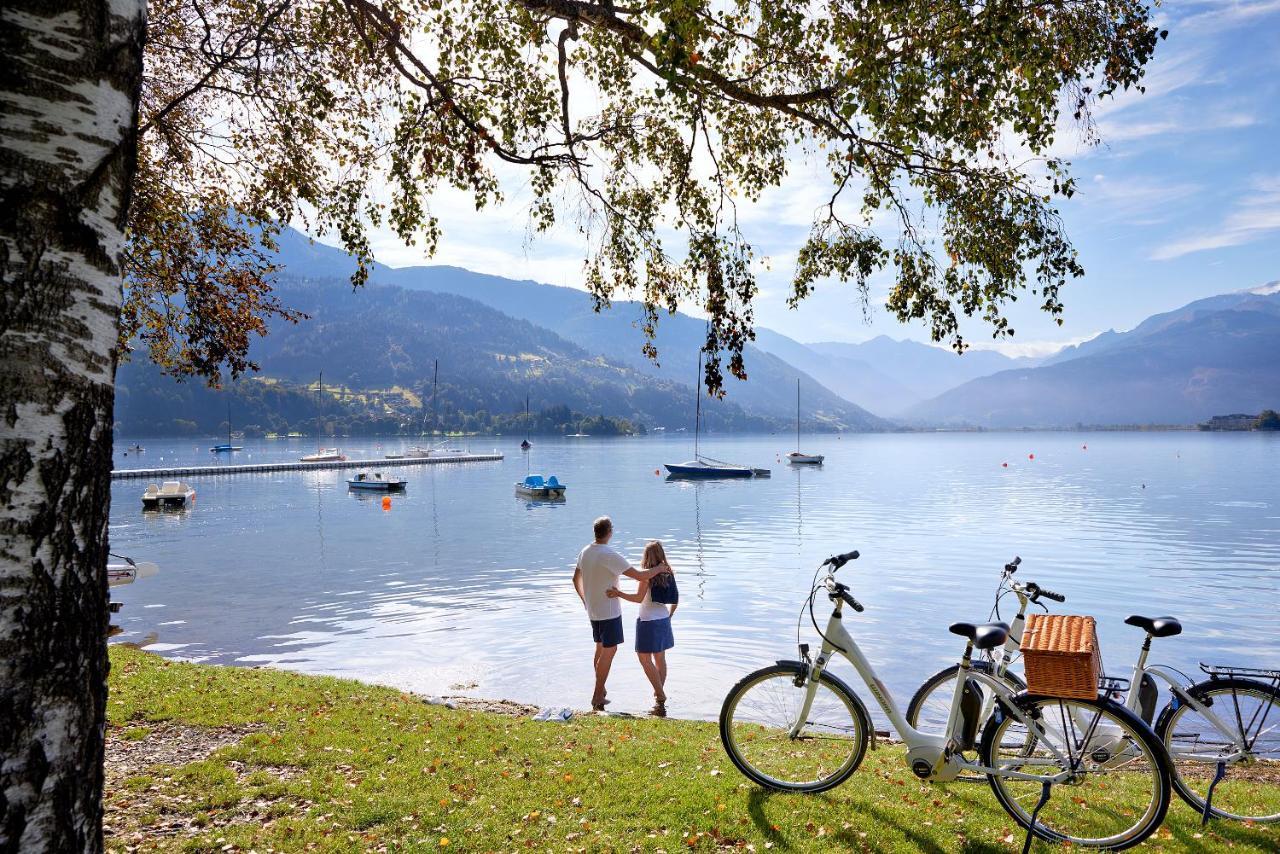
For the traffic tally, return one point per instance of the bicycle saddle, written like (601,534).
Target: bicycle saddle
(982,635)
(1160,627)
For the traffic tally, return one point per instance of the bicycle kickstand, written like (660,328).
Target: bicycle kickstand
(1208,798)
(1045,790)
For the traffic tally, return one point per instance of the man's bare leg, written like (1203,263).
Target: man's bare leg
(603,662)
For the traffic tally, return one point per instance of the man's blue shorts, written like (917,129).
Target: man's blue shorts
(607,632)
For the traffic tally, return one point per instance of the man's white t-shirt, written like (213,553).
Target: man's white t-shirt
(601,566)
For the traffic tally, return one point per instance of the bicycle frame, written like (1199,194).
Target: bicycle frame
(1132,698)
(931,756)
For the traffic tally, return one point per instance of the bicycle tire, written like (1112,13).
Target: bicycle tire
(1153,748)
(792,670)
(1164,724)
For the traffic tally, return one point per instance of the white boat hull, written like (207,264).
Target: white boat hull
(798,459)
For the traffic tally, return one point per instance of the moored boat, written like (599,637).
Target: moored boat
(324,455)
(171,494)
(534,486)
(796,458)
(706,467)
(374,481)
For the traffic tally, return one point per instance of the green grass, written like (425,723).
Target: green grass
(336,765)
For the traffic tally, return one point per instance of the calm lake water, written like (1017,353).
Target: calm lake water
(461,583)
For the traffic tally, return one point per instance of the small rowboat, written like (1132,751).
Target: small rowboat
(534,486)
(375,482)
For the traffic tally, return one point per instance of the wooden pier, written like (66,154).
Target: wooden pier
(170,472)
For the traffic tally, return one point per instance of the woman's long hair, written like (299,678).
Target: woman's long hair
(653,555)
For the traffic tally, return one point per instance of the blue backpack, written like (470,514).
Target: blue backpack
(663,590)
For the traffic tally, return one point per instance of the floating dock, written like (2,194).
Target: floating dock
(162,473)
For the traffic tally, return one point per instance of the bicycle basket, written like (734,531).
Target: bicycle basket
(1061,656)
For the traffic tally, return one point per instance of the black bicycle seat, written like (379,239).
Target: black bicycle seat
(982,635)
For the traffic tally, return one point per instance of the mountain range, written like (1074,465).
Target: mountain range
(498,339)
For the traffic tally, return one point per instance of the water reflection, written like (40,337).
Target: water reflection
(461,582)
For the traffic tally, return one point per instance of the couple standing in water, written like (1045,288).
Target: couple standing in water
(595,578)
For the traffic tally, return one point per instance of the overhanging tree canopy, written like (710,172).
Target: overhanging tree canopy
(934,118)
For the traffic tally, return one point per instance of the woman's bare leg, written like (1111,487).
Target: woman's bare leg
(651,670)
(660,659)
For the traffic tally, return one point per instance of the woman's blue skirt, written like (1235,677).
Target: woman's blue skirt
(654,635)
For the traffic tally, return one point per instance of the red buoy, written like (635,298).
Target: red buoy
(1031,456)
(1004,465)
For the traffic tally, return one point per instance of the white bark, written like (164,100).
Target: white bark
(68,107)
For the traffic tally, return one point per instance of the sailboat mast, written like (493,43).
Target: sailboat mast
(319,407)
(228,418)
(435,377)
(697,406)
(526,417)
(797,415)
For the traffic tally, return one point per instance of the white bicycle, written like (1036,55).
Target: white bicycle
(1222,734)
(795,726)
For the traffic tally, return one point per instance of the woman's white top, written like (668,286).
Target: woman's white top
(651,610)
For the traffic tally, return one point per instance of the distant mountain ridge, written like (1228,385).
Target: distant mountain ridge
(1214,356)
(615,333)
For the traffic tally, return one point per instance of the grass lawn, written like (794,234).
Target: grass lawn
(227,759)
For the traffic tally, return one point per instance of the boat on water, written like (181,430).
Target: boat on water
(129,572)
(526,444)
(534,486)
(796,458)
(137,449)
(170,495)
(702,466)
(577,435)
(375,482)
(417,452)
(322,455)
(226,447)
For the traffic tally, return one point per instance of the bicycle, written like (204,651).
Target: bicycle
(795,726)
(1202,744)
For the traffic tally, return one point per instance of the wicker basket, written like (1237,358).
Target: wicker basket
(1061,656)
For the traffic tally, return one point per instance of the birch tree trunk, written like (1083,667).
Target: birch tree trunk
(69,84)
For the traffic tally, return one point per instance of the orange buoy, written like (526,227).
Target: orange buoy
(386,502)
(657,471)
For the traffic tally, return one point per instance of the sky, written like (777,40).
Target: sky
(1181,201)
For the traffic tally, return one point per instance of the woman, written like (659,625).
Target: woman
(653,626)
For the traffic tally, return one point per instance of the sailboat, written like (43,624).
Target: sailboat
(322,455)
(526,444)
(795,457)
(226,447)
(702,466)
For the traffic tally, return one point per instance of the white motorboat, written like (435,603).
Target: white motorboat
(127,573)
(172,495)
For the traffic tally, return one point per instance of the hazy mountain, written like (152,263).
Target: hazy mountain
(1211,357)
(851,378)
(1256,297)
(615,333)
(907,372)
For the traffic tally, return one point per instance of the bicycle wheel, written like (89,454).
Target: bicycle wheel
(930,709)
(1250,749)
(756,721)
(1116,787)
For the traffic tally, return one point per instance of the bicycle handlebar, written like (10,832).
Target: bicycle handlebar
(837,561)
(1035,592)
(1049,594)
(836,590)
(1012,566)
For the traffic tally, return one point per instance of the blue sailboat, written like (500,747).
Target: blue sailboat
(226,447)
(702,466)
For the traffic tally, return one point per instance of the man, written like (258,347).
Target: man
(597,571)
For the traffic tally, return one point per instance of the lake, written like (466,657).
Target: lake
(463,588)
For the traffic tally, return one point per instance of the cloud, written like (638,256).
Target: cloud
(1255,216)
(1135,199)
